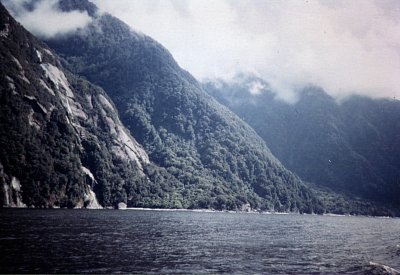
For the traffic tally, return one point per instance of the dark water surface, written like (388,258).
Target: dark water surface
(153,242)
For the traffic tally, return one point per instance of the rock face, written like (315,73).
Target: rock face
(90,200)
(121,205)
(63,144)
(11,190)
(217,161)
(61,140)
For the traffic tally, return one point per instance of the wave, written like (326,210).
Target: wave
(377,268)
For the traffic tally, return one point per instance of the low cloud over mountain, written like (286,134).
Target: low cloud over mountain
(347,47)
(44,19)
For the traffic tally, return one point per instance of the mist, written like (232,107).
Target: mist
(345,47)
(44,20)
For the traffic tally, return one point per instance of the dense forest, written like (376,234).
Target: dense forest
(104,116)
(219,160)
(61,137)
(350,146)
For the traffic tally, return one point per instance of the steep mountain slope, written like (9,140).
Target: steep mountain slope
(60,136)
(351,147)
(219,160)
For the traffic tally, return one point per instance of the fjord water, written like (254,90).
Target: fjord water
(112,241)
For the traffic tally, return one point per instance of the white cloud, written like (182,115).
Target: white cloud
(343,46)
(256,87)
(45,20)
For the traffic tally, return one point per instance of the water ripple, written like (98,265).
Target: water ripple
(149,242)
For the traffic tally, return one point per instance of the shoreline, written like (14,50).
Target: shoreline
(249,212)
(208,211)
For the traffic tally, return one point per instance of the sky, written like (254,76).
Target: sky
(345,47)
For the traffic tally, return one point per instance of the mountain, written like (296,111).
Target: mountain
(143,132)
(217,159)
(351,146)
(61,140)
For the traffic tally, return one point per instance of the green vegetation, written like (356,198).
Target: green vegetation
(38,148)
(208,157)
(351,147)
(45,147)
(201,155)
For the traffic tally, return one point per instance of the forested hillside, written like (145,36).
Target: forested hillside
(219,160)
(64,141)
(351,146)
(61,141)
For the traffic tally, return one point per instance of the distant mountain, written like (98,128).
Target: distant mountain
(352,147)
(218,160)
(61,140)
